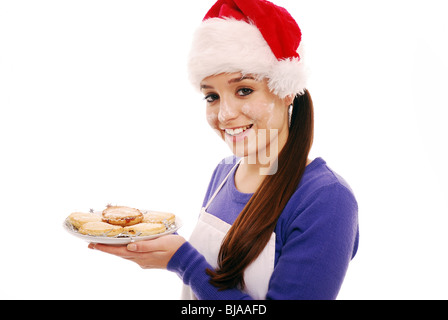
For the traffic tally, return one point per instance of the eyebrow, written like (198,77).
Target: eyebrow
(205,86)
(239,79)
(234,80)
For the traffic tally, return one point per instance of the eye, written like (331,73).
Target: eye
(211,97)
(244,92)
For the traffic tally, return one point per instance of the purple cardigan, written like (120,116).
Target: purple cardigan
(316,237)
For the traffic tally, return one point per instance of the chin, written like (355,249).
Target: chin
(243,151)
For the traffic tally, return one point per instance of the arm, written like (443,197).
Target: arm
(190,265)
(318,244)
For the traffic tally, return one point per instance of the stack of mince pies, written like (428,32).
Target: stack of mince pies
(115,221)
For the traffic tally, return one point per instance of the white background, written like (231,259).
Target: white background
(96,108)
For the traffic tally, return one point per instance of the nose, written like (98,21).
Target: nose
(228,111)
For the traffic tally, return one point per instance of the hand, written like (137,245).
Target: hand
(148,254)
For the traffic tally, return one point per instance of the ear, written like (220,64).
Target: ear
(288,100)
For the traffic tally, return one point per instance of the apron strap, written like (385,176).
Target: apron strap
(221,185)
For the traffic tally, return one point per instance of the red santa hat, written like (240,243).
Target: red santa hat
(252,37)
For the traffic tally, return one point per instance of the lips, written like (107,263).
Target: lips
(237,131)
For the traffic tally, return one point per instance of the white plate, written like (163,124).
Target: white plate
(120,239)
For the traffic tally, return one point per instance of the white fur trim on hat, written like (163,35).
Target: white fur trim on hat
(229,45)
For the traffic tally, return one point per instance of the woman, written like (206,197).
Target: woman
(274,224)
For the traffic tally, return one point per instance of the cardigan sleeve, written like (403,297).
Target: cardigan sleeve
(319,240)
(190,266)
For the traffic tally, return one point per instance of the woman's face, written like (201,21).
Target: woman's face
(246,115)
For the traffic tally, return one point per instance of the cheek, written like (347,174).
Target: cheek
(212,119)
(262,113)
(251,110)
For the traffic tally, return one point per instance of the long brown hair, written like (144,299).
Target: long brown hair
(252,229)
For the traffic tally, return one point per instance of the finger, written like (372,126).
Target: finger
(152,245)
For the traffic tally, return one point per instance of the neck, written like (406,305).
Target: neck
(263,167)
(249,176)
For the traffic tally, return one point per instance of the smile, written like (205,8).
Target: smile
(237,131)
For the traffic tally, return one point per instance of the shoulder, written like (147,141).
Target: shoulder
(323,200)
(318,175)
(221,171)
(321,182)
(224,167)
(229,161)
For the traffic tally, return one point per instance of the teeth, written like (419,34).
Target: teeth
(237,131)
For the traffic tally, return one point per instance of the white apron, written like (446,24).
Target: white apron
(207,238)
